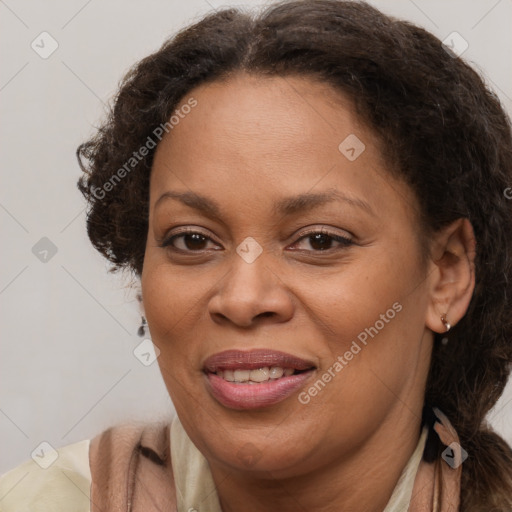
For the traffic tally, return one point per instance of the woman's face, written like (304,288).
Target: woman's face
(270,173)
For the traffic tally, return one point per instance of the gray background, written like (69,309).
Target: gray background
(68,328)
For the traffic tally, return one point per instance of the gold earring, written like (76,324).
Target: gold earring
(446,323)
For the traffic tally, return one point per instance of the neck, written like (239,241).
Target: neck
(363,481)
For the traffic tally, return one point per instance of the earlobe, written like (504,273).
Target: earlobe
(452,280)
(447,324)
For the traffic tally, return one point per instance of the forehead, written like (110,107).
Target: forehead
(271,115)
(260,136)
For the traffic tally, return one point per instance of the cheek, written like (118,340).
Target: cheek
(170,291)
(354,298)
(171,301)
(371,316)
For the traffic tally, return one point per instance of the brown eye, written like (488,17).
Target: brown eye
(323,240)
(192,241)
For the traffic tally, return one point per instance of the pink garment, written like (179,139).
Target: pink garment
(437,484)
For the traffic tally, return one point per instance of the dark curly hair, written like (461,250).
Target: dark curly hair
(443,131)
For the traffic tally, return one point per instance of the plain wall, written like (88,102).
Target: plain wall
(68,328)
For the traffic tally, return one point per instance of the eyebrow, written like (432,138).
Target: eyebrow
(286,207)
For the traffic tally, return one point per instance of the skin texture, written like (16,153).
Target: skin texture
(248,143)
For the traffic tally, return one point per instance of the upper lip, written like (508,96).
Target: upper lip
(253,359)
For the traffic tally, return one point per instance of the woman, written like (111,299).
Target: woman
(315,202)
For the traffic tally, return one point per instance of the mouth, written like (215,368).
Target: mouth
(254,379)
(257,376)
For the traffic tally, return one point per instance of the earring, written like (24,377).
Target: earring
(445,322)
(142,329)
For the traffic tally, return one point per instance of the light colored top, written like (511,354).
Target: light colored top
(401,497)
(46,483)
(65,483)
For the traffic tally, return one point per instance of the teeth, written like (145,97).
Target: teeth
(276,372)
(260,375)
(254,376)
(242,375)
(229,375)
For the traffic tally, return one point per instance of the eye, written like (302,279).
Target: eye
(189,240)
(321,240)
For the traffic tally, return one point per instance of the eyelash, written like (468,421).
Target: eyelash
(344,241)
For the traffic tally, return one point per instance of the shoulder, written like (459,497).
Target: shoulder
(131,467)
(52,480)
(124,462)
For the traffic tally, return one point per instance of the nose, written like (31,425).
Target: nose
(251,293)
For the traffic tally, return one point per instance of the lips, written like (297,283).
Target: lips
(228,377)
(254,359)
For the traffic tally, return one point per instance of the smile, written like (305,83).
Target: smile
(255,379)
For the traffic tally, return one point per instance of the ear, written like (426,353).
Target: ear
(452,274)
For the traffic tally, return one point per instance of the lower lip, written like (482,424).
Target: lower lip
(255,396)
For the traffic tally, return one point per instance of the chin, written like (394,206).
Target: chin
(260,454)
